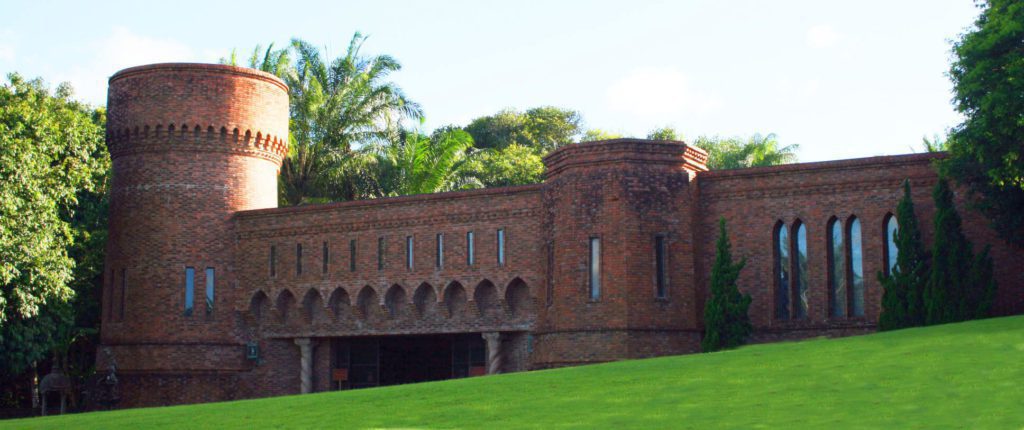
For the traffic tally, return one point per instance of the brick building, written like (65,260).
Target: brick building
(214,293)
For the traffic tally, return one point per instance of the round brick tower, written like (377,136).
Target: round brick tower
(191,144)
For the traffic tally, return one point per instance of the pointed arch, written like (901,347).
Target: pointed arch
(283,304)
(425,300)
(367,303)
(258,305)
(485,295)
(455,300)
(517,296)
(312,306)
(395,300)
(340,304)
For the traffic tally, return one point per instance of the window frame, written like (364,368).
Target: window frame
(594,272)
(190,285)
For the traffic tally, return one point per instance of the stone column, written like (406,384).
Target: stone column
(305,363)
(494,352)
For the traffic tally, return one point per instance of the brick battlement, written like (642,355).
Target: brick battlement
(181,138)
(619,151)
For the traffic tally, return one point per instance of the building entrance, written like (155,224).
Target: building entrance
(361,362)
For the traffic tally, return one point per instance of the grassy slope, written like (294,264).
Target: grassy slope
(960,375)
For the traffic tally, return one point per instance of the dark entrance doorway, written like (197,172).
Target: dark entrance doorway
(360,362)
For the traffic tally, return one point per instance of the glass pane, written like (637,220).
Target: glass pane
(440,250)
(890,239)
(800,310)
(782,283)
(352,255)
(857,269)
(838,266)
(595,268)
(190,277)
(501,247)
(469,248)
(298,259)
(408,252)
(209,289)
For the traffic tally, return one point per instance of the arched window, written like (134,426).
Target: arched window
(890,244)
(800,271)
(782,268)
(856,267)
(836,269)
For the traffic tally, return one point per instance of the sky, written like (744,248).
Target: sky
(841,79)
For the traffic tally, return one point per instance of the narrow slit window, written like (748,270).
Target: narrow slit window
(209,290)
(409,262)
(782,275)
(800,301)
(660,269)
(273,261)
(856,289)
(891,252)
(380,253)
(500,239)
(837,269)
(326,253)
(190,284)
(469,248)
(595,268)
(124,293)
(298,259)
(352,255)
(439,261)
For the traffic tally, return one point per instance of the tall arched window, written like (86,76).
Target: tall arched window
(836,269)
(856,267)
(782,268)
(800,271)
(890,244)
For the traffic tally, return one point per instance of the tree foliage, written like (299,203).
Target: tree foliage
(514,164)
(986,151)
(726,320)
(903,289)
(542,128)
(960,285)
(415,164)
(52,148)
(664,133)
(737,153)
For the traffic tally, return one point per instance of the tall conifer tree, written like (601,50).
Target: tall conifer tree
(946,296)
(903,297)
(726,322)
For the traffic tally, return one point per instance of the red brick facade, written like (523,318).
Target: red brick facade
(196,150)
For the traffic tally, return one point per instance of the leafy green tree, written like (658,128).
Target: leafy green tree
(52,149)
(514,164)
(335,106)
(418,164)
(596,134)
(54,168)
(542,128)
(726,319)
(903,296)
(664,133)
(736,153)
(985,151)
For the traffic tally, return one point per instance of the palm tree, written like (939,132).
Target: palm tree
(417,164)
(736,153)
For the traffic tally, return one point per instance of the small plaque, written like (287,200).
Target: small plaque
(477,371)
(340,375)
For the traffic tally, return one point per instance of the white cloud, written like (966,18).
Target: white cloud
(121,49)
(658,94)
(821,36)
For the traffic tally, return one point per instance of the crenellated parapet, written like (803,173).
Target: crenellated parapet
(197,107)
(199,138)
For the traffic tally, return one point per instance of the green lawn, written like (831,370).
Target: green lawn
(968,375)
